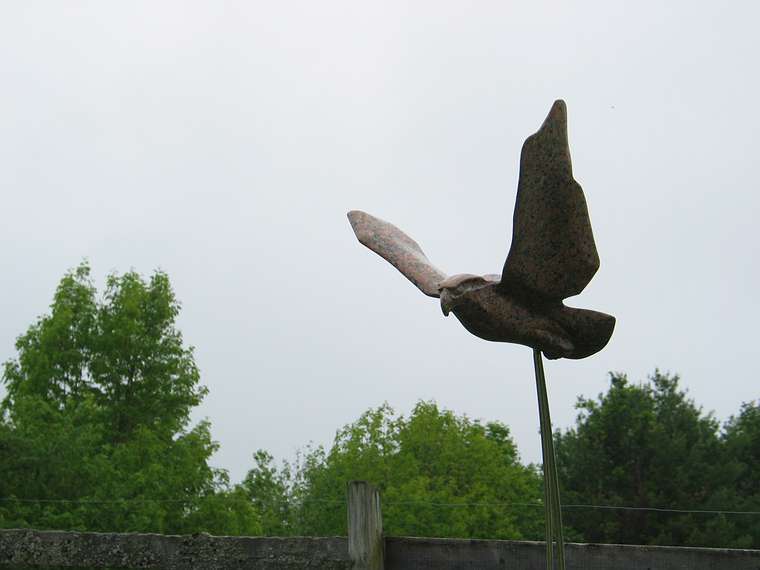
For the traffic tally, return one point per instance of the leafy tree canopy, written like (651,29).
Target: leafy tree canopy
(439,474)
(95,435)
(641,445)
(95,428)
(740,489)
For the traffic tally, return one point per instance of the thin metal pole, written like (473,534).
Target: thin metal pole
(548,502)
(553,475)
(552,507)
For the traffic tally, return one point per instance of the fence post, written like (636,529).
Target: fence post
(366,547)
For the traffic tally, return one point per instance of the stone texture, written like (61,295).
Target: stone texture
(553,256)
(46,549)
(30,548)
(399,249)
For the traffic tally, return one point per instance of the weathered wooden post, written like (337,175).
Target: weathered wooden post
(366,546)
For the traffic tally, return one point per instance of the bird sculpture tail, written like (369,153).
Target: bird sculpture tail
(590,331)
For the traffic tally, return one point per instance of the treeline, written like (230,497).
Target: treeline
(95,435)
(643,446)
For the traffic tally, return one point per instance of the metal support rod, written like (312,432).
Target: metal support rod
(548,519)
(552,505)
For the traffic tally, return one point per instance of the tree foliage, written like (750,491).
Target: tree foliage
(740,490)
(439,474)
(269,491)
(95,434)
(644,445)
(95,431)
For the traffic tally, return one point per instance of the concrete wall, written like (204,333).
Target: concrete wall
(28,548)
(454,554)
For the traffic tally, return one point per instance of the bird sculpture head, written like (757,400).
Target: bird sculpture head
(453,290)
(552,256)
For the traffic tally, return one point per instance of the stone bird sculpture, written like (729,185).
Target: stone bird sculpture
(552,257)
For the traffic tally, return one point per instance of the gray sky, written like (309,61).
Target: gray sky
(224,141)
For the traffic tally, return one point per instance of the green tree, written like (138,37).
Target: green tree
(740,491)
(439,474)
(644,445)
(95,424)
(268,489)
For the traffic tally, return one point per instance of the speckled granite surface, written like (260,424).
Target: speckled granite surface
(553,256)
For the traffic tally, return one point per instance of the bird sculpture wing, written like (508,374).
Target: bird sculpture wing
(553,255)
(399,249)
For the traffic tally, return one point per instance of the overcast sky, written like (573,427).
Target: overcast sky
(223,142)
